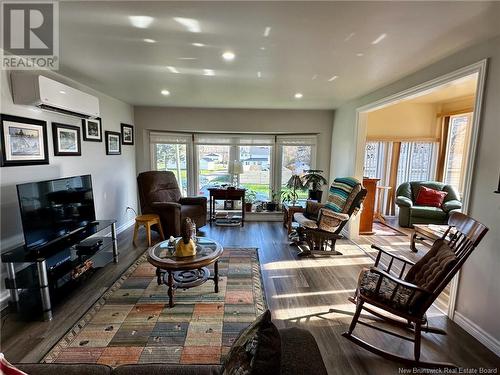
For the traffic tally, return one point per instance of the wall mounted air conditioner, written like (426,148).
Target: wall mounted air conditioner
(50,95)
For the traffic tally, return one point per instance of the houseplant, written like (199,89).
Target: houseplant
(250,198)
(294,183)
(274,203)
(314,181)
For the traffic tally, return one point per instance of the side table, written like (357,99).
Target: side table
(288,211)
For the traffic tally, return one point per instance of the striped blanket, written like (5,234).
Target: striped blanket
(339,193)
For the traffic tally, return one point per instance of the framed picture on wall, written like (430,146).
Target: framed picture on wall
(23,141)
(113,143)
(92,129)
(127,134)
(66,140)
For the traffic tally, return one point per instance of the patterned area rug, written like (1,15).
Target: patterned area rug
(132,323)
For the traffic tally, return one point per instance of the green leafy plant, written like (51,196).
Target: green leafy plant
(294,183)
(250,196)
(314,180)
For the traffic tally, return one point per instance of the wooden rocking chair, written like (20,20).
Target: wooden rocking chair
(410,296)
(319,226)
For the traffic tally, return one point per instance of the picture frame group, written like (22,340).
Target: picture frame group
(24,141)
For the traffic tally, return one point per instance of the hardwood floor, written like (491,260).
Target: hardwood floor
(298,292)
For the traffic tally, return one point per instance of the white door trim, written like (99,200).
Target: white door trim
(478,68)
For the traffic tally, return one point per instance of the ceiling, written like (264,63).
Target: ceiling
(366,45)
(459,89)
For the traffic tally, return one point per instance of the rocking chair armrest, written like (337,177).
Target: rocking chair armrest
(397,280)
(336,215)
(402,259)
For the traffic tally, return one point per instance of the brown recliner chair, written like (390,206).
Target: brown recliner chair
(159,194)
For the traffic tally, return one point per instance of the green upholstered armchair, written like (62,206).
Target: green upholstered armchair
(410,214)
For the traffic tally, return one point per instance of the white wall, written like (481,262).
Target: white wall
(478,301)
(113,177)
(233,120)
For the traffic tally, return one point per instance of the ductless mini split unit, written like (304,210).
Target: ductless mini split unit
(50,95)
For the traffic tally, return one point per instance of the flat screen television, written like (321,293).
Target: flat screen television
(54,209)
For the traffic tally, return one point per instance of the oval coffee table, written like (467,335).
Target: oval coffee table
(185,272)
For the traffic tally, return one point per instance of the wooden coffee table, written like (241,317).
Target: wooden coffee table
(426,232)
(185,272)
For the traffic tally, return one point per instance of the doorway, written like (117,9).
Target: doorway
(426,133)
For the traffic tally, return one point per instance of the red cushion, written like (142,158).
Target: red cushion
(430,197)
(7,369)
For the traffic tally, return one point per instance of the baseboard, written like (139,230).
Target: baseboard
(478,333)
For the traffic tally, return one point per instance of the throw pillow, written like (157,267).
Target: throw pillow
(257,350)
(7,369)
(430,197)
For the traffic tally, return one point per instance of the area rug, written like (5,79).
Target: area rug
(132,323)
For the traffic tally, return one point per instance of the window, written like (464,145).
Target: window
(297,155)
(456,150)
(202,160)
(256,176)
(170,153)
(416,161)
(213,163)
(375,159)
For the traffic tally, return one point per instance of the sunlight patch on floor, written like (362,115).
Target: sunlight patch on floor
(309,294)
(336,261)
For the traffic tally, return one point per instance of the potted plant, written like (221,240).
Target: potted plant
(314,181)
(274,203)
(294,183)
(250,198)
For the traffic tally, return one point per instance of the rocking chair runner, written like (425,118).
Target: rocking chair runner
(410,297)
(321,224)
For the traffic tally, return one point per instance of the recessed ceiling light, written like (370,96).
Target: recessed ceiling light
(190,23)
(380,38)
(141,22)
(259,74)
(172,69)
(208,72)
(360,54)
(228,56)
(263,48)
(147,40)
(165,92)
(333,78)
(198,44)
(298,95)
(349,37)
(62,92)
(267,31)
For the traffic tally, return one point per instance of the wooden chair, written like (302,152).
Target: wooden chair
(410,296)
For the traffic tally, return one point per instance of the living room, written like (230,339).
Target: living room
(210,111)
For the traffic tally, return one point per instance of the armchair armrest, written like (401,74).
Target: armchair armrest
(165,206)
(453,204)
(403,201)
(199,201)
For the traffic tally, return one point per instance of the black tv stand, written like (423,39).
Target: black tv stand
(59,263)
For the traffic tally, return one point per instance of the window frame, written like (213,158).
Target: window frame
(234,140)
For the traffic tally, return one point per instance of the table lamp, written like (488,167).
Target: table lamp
(235,169)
